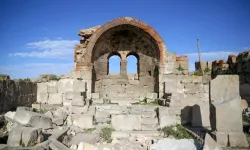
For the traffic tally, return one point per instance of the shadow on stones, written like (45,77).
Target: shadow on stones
(186,116)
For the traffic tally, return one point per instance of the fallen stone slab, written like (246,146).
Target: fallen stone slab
(9,116)
(14,138)
(61,113)
(83,121)
(33,119)
(3,147)
(24,108)
(56,145)
(58,133)
(86,146)
(58,121)
(23,136)
(41,146)
(84,137)
(183,144)
(29,135)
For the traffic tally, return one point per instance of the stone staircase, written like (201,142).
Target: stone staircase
(128,121)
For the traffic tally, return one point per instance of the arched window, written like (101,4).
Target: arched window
(114,63)
(132,63)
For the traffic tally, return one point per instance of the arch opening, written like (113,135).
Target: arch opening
(133,63)
(114,63)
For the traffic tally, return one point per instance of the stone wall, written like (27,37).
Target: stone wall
(182,92)
(63,92)
(173,65)
(15,93)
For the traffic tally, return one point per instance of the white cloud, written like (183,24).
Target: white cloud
(32,70)
(49,49)
(207,56)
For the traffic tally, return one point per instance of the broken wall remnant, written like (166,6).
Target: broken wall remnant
(226,101)
(63,92)
(15,93)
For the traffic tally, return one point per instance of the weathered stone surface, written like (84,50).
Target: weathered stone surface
(42,88)
(126,122)
(42,97)
(222,138)
(152,96)
(23,136)
(223,110)
(224,88)
(79,109)
(79,86)
(102,114)
(3,147)
(166,118)
(78,100)
(119,135)
(170,84)
(29,135)
(237,139)
(183,144)
(193,88)
(9,116)
(58,121)
(36,106)
(52,89)
(200,115)
(56,145)
(55,98)
(210,143)
(86,146)
(95,95)
(14,137)
(149,121)
(28,118)
(65,85)
(85,137)
(83,121)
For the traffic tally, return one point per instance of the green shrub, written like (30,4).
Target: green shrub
(27,80)
(106,134)
(54,78)
(155,102)
(89,130)
(207,70)
(180,68)
(198,73)
(177,131)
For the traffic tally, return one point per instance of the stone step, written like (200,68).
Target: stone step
(173,105)
(135,134)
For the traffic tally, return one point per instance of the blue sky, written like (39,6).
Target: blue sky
(38,36)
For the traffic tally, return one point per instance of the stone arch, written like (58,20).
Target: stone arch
(124,21)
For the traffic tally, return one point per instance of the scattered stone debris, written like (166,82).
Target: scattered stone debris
(164,106)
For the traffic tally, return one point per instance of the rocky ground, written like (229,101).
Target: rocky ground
(29,128)
(51,128)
